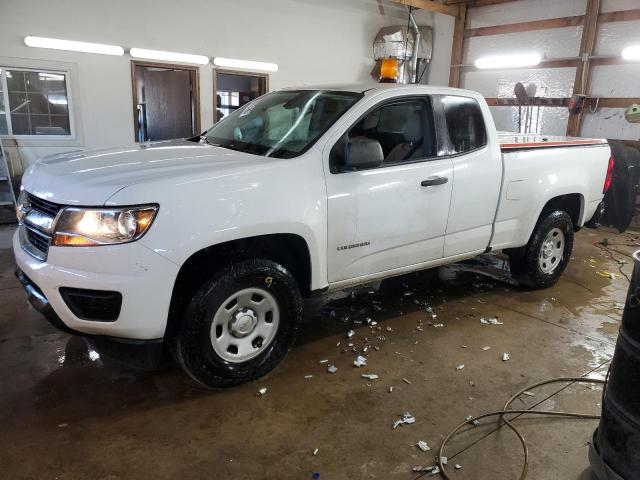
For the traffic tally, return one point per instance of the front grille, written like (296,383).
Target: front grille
(39,240)
(36,240)
(44,206)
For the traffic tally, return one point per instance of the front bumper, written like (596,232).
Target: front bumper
(144,278)
(40,303)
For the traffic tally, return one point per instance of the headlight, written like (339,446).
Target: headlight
(87,227)
(22,206)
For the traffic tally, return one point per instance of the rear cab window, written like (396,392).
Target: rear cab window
(465,123)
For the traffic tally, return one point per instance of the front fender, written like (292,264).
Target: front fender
(280,196)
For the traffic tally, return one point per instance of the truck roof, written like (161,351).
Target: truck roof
(376,87)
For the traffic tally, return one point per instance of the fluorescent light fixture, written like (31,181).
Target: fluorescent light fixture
(52,76)
(58,99)
(86,47)
(509,61)
(632,52)
(168,56)
(246,64)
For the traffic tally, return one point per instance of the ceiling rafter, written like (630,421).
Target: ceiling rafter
(431,5)
(477,3)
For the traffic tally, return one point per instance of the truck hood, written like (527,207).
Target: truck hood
(91,177)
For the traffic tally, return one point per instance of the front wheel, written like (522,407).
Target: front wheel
(545,257)
(240,324)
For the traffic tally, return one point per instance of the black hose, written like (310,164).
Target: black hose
(505,410)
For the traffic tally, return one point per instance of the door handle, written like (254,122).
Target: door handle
(433,181)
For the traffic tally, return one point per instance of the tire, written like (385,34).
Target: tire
(541,262)
(221,343)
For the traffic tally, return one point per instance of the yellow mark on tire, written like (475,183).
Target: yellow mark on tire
(268,281)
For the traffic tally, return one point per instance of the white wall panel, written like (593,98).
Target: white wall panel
(312,42)
(550,82)
(609,123)
(606,81)
(614,36)
(438,71)
(523,11)
(615,80)
(555,43)
(548,120)
(618,5)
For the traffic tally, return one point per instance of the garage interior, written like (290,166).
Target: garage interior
(445,344)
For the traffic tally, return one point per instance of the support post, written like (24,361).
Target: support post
(583,71)
(457,47)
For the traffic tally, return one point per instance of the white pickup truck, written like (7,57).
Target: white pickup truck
(210,244)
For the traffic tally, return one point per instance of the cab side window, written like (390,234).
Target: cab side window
(465,123)
(404,129)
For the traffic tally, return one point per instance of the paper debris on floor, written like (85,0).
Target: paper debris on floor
(460,367)
(332,369)
(407,381)
(308,377)
(490,321)
(324,361)
(443,460)
(430,469)
(360,361)
(457,466)
(315,452)
(370,376)
(606,274)
(529,394)
(350,333)
(390,389)
(505,357)
(486,348)
(262,391)
(407,419)
(424,446)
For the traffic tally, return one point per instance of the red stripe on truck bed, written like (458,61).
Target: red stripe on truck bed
(559,143)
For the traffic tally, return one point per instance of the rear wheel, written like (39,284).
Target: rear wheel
(545,257)
(240,324)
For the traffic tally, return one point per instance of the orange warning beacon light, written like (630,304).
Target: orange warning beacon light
(389,70)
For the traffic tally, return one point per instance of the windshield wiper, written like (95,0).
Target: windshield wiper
(206,140)
(245,148)
(242,147)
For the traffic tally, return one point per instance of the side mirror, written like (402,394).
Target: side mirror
(363,153)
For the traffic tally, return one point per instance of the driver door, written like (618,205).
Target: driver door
(393,215)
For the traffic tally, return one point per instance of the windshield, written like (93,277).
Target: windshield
(281,124)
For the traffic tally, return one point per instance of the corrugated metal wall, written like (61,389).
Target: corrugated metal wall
(606,81)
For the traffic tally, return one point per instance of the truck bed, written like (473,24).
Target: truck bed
(521,141)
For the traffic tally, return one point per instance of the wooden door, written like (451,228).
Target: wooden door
(168,104)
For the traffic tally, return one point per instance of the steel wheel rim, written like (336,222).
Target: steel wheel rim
(551,251)
(244,325)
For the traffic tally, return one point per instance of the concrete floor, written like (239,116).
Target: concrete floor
(66,413)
